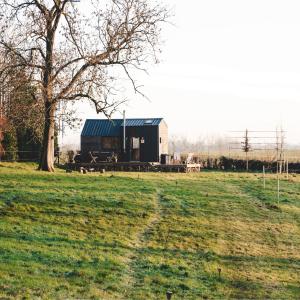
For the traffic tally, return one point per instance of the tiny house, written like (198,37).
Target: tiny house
(145,140)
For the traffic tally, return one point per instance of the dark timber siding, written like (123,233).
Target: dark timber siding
(148,150)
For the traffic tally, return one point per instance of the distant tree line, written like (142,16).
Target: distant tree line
(214,153)
(200,144)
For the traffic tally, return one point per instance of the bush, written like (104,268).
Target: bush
(230,164)
(10,146)
(29,149)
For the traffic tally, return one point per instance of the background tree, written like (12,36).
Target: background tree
(23,113)
(70,56)
(2,128)
(10,145)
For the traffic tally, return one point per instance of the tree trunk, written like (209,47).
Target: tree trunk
(47,155)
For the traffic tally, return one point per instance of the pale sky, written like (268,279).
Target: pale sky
(226,65)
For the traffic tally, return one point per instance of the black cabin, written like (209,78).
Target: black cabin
(145,139)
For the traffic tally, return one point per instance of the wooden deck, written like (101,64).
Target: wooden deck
(133,167)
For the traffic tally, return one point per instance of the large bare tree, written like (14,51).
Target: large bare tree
(69,55)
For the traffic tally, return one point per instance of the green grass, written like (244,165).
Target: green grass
(135,236)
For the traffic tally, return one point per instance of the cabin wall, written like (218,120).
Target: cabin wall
(149,151)
(163,138)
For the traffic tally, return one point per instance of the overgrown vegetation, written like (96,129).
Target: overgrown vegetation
(21,124)
(135,236)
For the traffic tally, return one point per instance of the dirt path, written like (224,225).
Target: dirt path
(140,242)
(153,220)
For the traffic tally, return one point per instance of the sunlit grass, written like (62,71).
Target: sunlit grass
(135,236)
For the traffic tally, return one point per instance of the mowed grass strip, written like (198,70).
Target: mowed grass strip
(135,236)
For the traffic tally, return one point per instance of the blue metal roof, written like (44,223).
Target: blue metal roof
(142,122)
(102,127)
(105,127)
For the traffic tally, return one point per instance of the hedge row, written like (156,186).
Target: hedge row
(230,164)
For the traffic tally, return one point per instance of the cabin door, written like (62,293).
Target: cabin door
(135,149)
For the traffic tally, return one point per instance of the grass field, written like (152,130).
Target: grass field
(135,236)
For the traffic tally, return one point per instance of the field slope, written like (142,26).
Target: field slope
(135,236)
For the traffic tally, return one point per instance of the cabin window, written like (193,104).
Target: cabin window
(160,140)
(89,146)
(110,143)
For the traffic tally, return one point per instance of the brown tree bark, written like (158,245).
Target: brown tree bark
(47,156)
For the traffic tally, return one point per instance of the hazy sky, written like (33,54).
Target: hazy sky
(226,65)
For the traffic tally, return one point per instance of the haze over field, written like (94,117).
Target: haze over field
(225,65)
